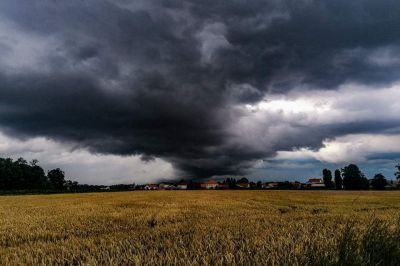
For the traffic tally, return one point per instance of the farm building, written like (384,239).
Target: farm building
(270,185)
(166,186)
(315,183)
(243,185)
(182,185)
(211,184)
(151,187)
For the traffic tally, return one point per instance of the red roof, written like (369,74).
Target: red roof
(211,182)
(315,180)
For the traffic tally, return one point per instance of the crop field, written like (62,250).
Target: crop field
(202,228)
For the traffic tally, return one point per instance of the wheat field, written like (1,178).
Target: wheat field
(201,228)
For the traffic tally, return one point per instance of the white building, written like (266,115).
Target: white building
(315,183)
(182,186)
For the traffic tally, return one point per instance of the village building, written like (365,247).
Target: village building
(211,184)
(270,185)
(166,186)
(296,184)
(243,185)
(182,185)
(316,183)
(151,187)
(390,186)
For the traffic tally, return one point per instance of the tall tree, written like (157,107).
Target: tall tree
(353,178)
(397,174)
(243,180)
(231,182)
(327,176)
(56,178)
(338,179)
(17,175)
(21,175)
(379,181)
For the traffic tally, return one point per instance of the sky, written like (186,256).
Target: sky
(123,91)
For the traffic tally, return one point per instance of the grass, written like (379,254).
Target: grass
(202,228)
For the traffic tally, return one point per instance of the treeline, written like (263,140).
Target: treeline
(351,177)
(21,175)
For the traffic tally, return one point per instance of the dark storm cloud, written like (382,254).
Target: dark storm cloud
(161,78)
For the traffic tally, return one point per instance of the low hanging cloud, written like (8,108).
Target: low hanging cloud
(185,81)
(86,167)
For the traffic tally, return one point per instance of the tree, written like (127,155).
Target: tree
(34,162)
(327,176)
(338,179)
(19,175)
(231,182)
(397,174)
(353,178)
(56,178)
(243,180)
(21,161)
(36,178)
(379,181)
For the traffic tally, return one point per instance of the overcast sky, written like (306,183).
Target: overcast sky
(121,91)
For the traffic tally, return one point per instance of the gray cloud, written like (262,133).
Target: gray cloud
(164,78)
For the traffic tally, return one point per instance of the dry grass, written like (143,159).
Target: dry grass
(202,228)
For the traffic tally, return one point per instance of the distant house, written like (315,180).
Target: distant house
(390,186)
(270,185)
(182,185)
(105,188)
(316,183)
(296,184)
(243,185)
(165,186)
(211,184)
(253,185)
(151,187)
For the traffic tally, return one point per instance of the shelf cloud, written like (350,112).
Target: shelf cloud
(209,87)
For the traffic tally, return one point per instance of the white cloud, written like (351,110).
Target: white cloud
(349,103)
(83,166)
(302,119)
(349,148)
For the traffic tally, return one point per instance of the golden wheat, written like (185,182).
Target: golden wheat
(188,227)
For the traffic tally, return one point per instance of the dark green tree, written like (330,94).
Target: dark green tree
(379,181)
(397,174)
(243,180)
(19,175)
(231,182)
(34,162)
(327,176)
(353,178)
(56,178)
(338,179)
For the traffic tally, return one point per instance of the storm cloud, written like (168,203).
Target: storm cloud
(183,80)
